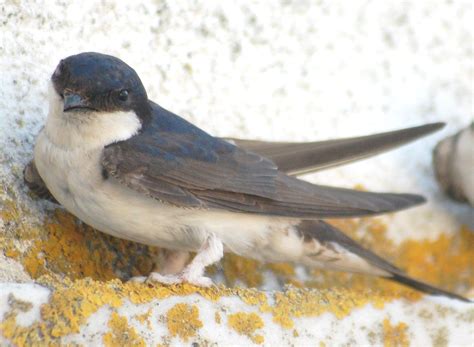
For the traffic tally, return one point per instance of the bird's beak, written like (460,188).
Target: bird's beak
(75,102)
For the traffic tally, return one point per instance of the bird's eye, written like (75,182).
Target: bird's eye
(123,95)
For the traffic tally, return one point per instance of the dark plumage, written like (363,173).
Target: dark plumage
(174,161)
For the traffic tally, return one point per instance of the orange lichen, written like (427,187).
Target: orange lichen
(81,266)
(69,308)
(62,245)
(253,297)
(144,318)
(247,324)
(246,270)
(183,321)
(10,250)
(447,261)
(121,334)
(395,335)
(296,302)
(73,302)
(76,250)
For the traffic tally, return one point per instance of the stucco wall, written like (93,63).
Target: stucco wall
(289,70)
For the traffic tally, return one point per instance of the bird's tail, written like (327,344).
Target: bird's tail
(327,247)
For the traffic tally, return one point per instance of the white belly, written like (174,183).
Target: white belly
(74,178)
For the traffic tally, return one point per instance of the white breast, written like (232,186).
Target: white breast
(68,154)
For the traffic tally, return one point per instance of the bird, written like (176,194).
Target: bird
(129,168)
(453,160)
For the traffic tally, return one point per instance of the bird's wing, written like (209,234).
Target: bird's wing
(35,183)
(300,158)
(177,163)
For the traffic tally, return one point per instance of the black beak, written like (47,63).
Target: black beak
(74,102)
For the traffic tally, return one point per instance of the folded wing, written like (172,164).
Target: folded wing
(177,163)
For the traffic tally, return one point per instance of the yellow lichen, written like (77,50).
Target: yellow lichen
(246,270)
(296,302)
(144,318)
(82,267)
(71,307)
(395,335)
(183,321)
(78,251)
(11,251)
(72,302)
(247,324)
(121,334)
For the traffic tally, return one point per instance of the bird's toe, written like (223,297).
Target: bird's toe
(137,279)
(201,281)
(165,279)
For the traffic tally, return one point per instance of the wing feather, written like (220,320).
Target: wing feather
(177,163)
(300,158)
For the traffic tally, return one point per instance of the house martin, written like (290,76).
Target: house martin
(126,166)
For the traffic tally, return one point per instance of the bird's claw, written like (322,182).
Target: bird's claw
(183,277)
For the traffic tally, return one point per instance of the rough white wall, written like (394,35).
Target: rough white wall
(287,70)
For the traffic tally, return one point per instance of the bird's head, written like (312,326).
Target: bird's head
(90,81)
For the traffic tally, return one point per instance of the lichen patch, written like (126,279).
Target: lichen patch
(247,324)
(121,334)
(86,269)
(395,335)
(183,321)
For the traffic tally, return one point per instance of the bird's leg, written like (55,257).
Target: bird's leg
(211,251)
(170,262)
(173,261)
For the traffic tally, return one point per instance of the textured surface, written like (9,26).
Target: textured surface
(287,71)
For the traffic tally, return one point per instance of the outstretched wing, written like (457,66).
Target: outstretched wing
(177,163)
(300,158)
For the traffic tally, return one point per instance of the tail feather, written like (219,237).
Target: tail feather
(425,287)
(330,248)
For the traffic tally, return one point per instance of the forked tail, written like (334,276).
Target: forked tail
(329,248)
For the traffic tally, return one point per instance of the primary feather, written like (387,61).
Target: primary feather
(299,158)
(175,162)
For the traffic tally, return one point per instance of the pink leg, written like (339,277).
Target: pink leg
(173,261)
(211,251)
